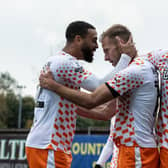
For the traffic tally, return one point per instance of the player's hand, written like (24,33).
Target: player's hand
(47,73)
(128,47)
(46,79)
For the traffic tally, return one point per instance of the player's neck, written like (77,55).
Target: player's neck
(72,50)
(134,58)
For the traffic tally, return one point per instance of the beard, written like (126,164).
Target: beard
(87,53)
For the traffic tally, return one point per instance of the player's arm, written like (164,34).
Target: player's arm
(105,153)
(92,81)
(102,112)
(101,95)
(107,149)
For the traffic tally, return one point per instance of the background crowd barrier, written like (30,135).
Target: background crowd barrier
(86,148)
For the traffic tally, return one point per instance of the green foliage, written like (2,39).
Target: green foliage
(9,103)
(12,106)
(9,106)
(7,83)
(85,123)
(3,111)
(27,110)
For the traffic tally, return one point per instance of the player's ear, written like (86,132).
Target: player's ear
(78,38)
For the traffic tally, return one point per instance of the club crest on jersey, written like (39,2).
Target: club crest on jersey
(80,69)
(165,74)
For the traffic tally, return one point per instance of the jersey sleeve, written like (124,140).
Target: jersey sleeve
(72,72)
(158,57)
(126,80)
(123,63)
(92,81)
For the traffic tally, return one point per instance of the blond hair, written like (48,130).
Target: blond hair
(114,31)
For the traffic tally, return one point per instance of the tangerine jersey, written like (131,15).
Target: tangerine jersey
(135,119)
(54,117)
(159,58)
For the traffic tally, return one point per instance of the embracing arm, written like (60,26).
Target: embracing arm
(122,64)
(101,95)
(92,81)
(102,112)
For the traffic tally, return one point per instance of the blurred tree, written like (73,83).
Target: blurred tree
(27,111)
(9,103)
(12,106)
(7,83)
(3,111)
(86,122)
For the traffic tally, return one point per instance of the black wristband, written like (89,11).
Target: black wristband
(98,166)
(114,93)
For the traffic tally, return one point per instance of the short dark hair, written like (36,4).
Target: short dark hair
(116,30)
(77,28)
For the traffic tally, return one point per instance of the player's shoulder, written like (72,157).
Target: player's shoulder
(157,53)
(138,66)
(62,58)
(140,62)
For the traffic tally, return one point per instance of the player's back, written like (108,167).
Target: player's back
(54,117)
(159,59)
